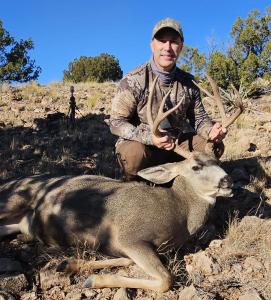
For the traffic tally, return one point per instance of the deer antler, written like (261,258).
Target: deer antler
(225,121)
(161,116)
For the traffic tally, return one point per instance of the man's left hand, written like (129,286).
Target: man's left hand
(217,133)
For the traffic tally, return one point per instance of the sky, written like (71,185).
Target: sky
(63,30)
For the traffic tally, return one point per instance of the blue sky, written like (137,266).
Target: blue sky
(63,30)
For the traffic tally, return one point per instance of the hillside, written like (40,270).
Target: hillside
(36,136)
(229,259)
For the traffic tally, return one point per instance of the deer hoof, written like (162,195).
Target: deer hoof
(89,283)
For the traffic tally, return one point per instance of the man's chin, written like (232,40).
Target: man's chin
(167,65)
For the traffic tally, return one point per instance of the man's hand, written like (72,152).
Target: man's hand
(217,133)
(164,142)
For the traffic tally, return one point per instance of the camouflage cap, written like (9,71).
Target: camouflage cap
(170,23)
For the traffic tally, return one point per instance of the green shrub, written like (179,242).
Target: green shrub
(100,68)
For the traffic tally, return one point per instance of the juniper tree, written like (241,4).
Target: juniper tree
(15,63)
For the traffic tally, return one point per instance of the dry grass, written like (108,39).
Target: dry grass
(249,243)
(247,239)
(95,98)
(176,266)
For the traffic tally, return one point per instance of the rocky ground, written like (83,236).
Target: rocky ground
(229,259)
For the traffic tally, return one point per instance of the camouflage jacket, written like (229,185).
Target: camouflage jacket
(128,117)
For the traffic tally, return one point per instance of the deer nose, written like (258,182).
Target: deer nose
(225,182)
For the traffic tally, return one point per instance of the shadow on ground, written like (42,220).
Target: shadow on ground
(51,145)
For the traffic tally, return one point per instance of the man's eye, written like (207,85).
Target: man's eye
(171,42)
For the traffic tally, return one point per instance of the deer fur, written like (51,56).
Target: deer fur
(129,220)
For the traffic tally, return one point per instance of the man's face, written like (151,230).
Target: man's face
(166,47)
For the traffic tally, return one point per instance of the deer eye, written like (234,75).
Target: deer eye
(196,168)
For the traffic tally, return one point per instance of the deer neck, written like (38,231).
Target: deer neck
(197,204)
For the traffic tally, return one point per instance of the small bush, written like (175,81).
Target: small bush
(100,68)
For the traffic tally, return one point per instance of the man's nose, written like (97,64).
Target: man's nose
(167,45)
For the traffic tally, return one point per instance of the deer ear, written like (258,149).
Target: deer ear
(160,174)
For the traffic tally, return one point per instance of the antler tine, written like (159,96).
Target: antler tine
(161,116)
(215,97)
(182,152)
(233,117)
(149,102)
(238,101)
(226,121)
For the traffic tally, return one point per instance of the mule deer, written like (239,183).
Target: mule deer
(128,220)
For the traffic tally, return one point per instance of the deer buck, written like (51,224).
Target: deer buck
(127,220)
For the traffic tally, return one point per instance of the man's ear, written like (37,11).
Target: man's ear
(160,174)
(181,48)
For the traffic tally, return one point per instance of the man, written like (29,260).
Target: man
(137,147)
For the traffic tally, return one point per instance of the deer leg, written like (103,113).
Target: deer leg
(80,265)
(146,258)
(22,227)
(6,230)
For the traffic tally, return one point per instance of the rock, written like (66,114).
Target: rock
(121,294)
(8,265)
(150,298)
(189,293)
(250,296)
(28,124)
(6,296)
(267,126)
(89,293)
(56,293)
(253,263)
(29,296)
(216,244)
(106,294)
(203,263)
(13,283)
(237,268)
(50,278)
(74,295)
(169,295)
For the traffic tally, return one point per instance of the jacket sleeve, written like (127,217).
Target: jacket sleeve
(196,112)
(124,109)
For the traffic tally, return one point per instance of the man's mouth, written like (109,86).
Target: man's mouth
(170,57)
